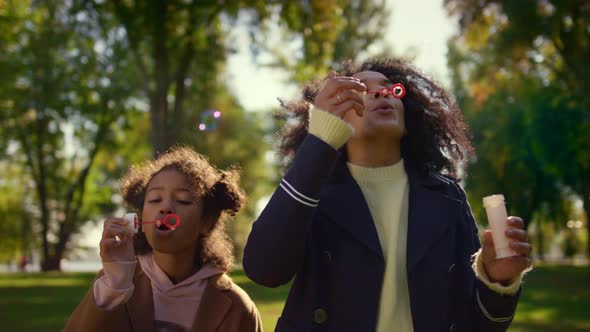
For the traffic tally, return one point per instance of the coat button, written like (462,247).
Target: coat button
(320,316)
(326,257)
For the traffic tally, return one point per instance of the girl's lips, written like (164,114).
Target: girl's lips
(162,229)
(162,232)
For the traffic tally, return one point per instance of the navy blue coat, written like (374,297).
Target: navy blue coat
(318,228)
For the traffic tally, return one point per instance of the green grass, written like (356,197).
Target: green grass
(42,302)
(554,299)
(269,301)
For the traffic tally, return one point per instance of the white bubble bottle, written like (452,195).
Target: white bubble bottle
(496,211)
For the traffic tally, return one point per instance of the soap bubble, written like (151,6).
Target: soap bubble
(209,120)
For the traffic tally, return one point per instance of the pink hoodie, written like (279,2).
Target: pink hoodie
(174,305)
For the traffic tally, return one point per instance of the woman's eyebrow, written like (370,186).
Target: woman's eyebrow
(383,81)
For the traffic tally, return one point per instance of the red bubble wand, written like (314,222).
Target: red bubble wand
(397,90)
(171,221)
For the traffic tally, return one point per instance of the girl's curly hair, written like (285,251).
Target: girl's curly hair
(220,191)
(437,141)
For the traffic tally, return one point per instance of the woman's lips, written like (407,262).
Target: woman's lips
(384,110)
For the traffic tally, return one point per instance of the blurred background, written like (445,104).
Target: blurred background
(90,87)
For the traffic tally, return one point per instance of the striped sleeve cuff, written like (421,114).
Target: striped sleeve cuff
(481,274)
(298,196)
(488,315)
(329,128)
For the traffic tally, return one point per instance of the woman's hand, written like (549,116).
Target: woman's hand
(505,270)
(337,96)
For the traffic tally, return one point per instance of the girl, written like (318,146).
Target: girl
(164,279)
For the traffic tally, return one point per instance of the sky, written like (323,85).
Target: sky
(419,26)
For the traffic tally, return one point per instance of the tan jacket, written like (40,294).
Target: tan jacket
(224,307)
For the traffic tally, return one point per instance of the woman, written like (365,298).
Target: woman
(369,218)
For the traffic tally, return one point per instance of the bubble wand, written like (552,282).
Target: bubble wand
(171,221)
(397,90)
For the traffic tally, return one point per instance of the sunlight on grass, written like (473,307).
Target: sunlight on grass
(555,299)
(66,282)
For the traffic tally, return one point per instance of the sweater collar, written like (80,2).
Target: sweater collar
(377,174)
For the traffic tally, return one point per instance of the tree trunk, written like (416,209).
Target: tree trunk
(51,263)
(159,110)
(540,241)
(64,236)
(42,186)
(586,205)
(159,127)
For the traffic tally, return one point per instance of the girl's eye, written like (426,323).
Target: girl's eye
(154,200)
(398,90)
(184,202)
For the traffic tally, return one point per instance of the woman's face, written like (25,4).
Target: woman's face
(169,192)
(383,115)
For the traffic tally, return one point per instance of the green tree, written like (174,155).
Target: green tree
(501,43)
(62,99)
(178,49)
(318,35)
(16,236)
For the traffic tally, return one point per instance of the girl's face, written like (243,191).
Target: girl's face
(169,192)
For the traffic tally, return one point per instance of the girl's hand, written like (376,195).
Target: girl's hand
(113,250)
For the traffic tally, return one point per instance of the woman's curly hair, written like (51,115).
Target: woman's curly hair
(220,191)
(437,141)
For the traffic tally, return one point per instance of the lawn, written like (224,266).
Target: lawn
(554,299)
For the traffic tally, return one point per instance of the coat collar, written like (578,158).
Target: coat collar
(141,304)
(429,215)
(212,310)
(343,202)
(431,211)
(215,304)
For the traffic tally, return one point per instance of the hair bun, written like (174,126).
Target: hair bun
(227,194)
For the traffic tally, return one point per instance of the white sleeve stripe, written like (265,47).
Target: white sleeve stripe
(309,199)
(490,317)
(295,197)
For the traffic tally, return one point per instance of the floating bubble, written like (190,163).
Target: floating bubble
(209,120)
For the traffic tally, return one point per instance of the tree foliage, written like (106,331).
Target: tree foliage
(520,70)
